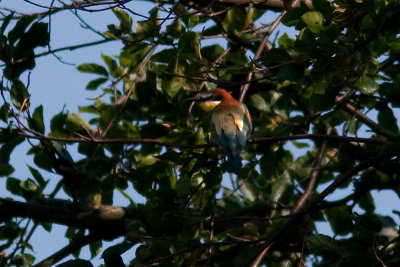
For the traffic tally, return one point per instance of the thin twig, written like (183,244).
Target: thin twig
(341,139)
(260,49)
(313,177)
(69,48)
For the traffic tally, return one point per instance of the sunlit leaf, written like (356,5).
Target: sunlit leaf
(93,68)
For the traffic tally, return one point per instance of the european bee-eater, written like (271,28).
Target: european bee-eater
(230,124)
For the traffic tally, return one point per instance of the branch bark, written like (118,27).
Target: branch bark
(67,213)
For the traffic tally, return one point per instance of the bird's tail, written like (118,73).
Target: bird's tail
(234,164)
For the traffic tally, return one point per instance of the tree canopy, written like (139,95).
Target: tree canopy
(324,104)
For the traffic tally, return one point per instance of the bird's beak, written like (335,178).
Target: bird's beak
(201,97)
(193,99)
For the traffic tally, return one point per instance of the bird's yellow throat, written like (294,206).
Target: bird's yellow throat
(208,105)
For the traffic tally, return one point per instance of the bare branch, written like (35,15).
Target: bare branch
(260,49)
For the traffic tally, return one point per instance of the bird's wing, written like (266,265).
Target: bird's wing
(247,122)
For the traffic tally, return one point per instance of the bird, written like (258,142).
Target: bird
(230,124)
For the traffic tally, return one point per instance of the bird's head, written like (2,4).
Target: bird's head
(210,99)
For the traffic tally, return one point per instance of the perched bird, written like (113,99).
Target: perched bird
(230,124)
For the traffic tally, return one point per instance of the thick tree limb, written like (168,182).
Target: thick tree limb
(66,213)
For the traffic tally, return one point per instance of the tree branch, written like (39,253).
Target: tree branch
(277,5)
(66,213)
(304,198)
(268,242)
(261,47)
(370,123)
(271,139)
(343,101)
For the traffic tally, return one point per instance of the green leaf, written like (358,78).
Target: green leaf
(234,21)
(259,102)
(320,87)
(286,42)
(47,226)
(274,164)
(189,44)
(111,64)
(20,28)
(293,16)
(95,248)
(172,85)
(312,18)
(112,255)
(37,176)
(6,169)
(13,185)
(133,57)
(23,260)
(366,202)
(5,23)
(30,190)
(124,18)
(57,124)
(369,221)
(387,119)
(290,72)
(211,52)
(4,112)
(175,29)
(322,245)
(276,56)
(324,7)
(76,263)
(36,121)
(165,55)
(279,186)
(300,145)
(94,84)
(322,101)
(340,219)
(37,35)
(18,93)
(366,85)
(147,28)
(193,20)
(93,68)
(42,159)
(368,23)
(76,122)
